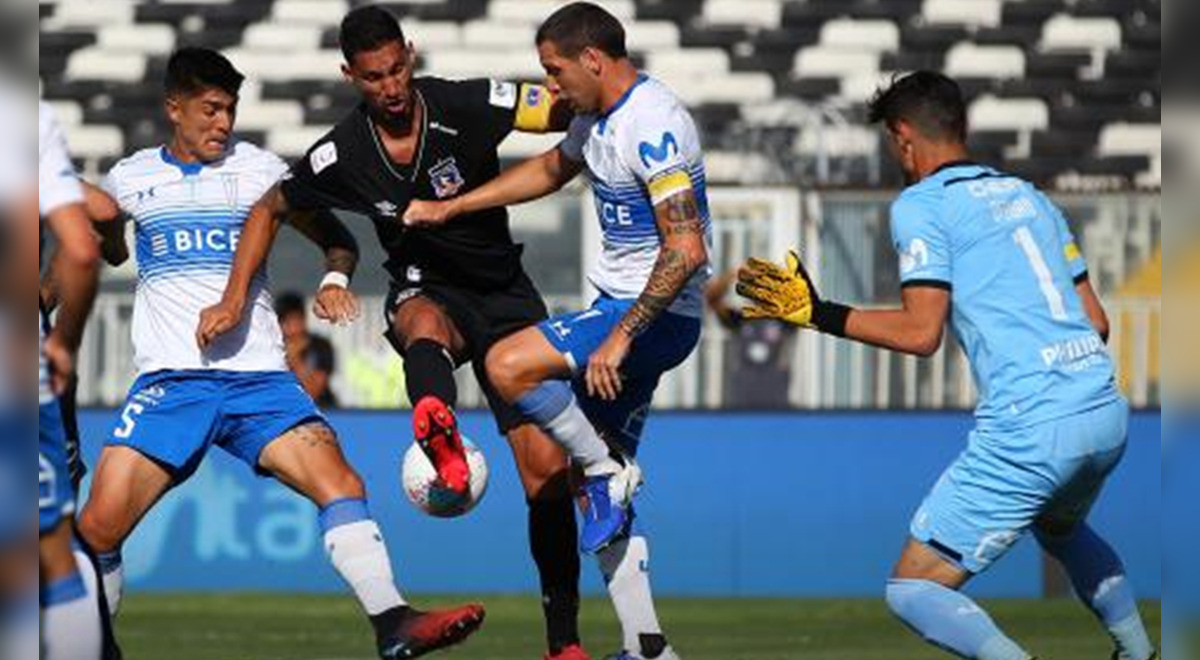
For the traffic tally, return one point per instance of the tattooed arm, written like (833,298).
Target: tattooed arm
(683,252)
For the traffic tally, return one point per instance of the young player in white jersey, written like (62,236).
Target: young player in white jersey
(71,627)
(590,376)
(189,199)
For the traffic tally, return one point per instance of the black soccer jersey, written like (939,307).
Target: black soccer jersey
(463,123)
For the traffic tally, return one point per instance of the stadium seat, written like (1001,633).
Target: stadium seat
(314,12)
(975,13)
(476,63)
(1130,140)
(990,113)
(863,35)
(265,115)
(95,63)
(293,141)
(649,35)
(687,64)
(966,60)
(69,113)
(146,39)
(1065,32)
(727,88)
(759,13)
(834,62)
(488,35)
(85,14)
(282,37)
(266,66)
(536,11)
(95,141)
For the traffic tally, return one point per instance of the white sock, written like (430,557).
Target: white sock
(70,621)
(112,571)
(571,429)
(360,556)
(626,570)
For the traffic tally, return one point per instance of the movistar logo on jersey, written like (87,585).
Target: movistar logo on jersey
(666,148)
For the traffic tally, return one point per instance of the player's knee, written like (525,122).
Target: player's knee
(98,530)
(504,369)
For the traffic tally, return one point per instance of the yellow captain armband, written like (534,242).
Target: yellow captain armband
(1072,252)
(534,104)
(665,185)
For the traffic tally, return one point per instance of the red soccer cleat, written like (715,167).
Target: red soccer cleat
(436,431)
(572,652)
(424,632)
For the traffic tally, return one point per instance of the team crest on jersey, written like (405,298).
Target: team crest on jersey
(445,178)
(914,257)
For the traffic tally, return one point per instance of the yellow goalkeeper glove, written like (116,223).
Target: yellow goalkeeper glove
(787,293)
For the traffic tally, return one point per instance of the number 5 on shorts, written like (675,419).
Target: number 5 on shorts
(128,421)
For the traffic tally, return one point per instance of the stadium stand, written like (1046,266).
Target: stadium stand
(1060,91)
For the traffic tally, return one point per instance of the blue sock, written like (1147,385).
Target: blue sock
(546,401)
(343,512)
(1099,580)
(64,590)
(552,406)
(950,620)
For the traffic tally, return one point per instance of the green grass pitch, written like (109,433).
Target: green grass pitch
(295,627)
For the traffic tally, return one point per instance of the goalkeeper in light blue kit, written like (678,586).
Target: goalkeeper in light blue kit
(992,253)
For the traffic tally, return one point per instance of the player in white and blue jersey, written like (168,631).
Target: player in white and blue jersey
(71,627)
(992,254)
(589,377)
(189,200)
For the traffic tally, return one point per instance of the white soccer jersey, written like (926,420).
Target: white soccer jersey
(640,152)
(57,187)
(187,219)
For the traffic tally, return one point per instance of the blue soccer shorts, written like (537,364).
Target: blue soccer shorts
(662,347)
(56,498)
(173,417)
(1004,482)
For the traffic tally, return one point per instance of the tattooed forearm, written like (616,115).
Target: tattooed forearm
(671,273)
(683,218)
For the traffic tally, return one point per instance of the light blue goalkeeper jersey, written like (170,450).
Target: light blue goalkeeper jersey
(1006,254)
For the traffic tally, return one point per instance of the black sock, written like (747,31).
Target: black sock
(386,623)
(653,645)
(553,540)
(429,371)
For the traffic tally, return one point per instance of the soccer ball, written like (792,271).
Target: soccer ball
(418,476)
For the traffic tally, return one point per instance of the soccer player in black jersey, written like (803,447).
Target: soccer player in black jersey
(455,291)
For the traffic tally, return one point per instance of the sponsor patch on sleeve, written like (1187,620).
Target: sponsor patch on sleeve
(503,94)
(322,157)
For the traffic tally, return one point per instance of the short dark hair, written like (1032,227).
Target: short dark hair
(287,303)
(930,101)
(366,29)
(582,25)
(192,69)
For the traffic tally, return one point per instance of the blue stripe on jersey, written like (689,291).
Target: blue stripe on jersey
(170,214)
(627,216)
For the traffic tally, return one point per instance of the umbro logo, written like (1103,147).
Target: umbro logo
(386,209)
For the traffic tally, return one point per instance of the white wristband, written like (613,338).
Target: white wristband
(334,278)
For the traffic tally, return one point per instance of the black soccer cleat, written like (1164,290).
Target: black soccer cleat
(419,633)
